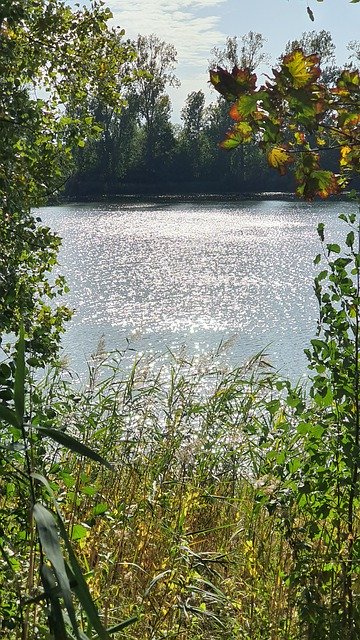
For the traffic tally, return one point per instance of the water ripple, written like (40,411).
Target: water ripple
(193,273)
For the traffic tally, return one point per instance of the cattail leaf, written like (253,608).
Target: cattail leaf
(55,616)
(73,444)
(50,542)
(81,588)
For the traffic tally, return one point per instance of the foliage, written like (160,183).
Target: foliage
(246,51)
(53,61)
(294,117)
(173,536)
(23,443)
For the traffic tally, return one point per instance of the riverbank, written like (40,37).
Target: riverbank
(211,196)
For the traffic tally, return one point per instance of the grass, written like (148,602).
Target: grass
(176,534)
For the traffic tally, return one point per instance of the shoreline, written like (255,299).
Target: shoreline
(192,197)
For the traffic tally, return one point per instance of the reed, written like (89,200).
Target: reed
(175,535)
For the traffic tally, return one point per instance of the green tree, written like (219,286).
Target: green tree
(54,61)
(192,142)
(154,68)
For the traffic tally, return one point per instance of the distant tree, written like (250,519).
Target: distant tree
(354,48)
(246,51)
(191,139)
(154,65)
(192,115)
(321,43)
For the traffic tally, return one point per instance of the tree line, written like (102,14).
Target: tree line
(141,151)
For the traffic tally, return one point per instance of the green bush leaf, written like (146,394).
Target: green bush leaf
(79,532)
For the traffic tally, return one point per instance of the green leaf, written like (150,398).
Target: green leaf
(350,239)
(71,443)
(81,589)
(240,134)
(100,508)
(123,625)
(19,383)
(320,230)
(79,532)
(9,416)
(49,538)
(55,614)
(333,248)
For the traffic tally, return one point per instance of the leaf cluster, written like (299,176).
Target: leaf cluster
(53,60)
(294,117)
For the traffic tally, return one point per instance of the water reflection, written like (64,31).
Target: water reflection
(195,273)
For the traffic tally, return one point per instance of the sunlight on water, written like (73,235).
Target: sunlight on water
(193,273)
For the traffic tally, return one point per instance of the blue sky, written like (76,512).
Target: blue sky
(194,27)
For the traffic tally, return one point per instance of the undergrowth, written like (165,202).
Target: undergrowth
(176,534)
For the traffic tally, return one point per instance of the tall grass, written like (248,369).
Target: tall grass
(176,535)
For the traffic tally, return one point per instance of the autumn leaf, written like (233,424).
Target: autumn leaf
(344,155)
(310,14)
(319,183)
(241,133)
(302,69)
(347,83)
(233,85)
(279,158)
(349,124)
(244,78)
(246,105)
(300,137)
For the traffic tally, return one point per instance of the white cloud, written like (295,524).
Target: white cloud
(192,26)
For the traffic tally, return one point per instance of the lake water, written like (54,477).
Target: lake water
(168,273)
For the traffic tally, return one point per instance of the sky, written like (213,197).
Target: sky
(194,27)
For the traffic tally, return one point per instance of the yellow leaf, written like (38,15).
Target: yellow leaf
(344,153)
(278,158)
(303,69)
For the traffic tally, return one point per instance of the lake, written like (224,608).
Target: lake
(169,273)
